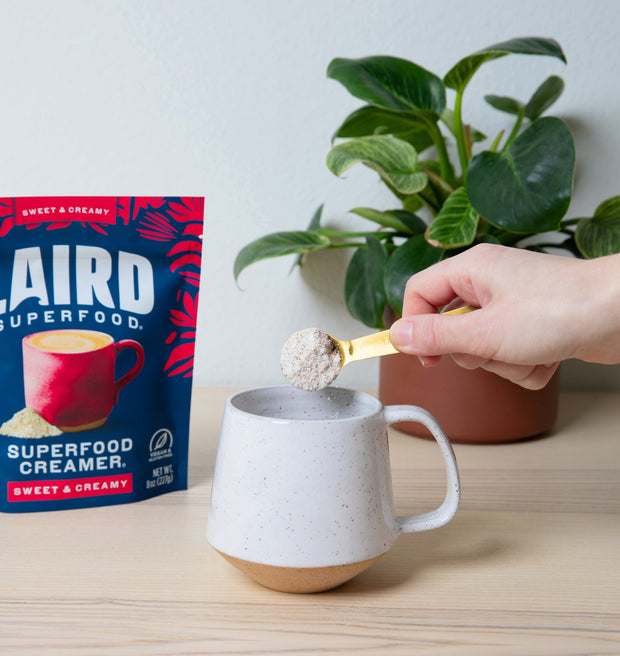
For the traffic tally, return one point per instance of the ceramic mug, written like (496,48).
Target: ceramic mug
(69,376)
(302,498)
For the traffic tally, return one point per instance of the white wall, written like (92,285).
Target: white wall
(229,100)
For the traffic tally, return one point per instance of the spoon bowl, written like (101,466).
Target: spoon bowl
(312,359)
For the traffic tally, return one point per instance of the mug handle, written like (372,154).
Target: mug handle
(135,370)
(445,512)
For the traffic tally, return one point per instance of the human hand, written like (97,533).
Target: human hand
(535,310)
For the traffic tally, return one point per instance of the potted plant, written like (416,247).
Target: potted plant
(454,187)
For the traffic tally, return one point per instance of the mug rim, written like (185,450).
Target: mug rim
(374,405)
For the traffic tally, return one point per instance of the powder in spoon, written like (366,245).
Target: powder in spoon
(310,360)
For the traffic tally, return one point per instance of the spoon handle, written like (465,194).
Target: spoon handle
(378,344)
(369,346)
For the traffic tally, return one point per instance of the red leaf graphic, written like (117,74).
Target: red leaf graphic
(190,304)
(98,228)
(185,246)
(7,224)
(184,261)
(193,229)
(190,208)
(181,319)
(163,223)
(180,354)
(191,277)
(157,227)
(128,207)
(55,225)
(188,366)
(153,236)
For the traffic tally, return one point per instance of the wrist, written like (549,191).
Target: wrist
(601,313)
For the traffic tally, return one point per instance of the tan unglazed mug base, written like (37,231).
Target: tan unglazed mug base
(299,579)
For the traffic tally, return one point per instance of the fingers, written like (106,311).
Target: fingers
(468,361)
(531,377)
(429,360)
(437,334)
(431,335)
(440,284)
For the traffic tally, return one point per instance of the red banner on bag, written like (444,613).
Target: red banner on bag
(69,488)
(46,209)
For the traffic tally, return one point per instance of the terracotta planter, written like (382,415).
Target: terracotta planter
(474,406)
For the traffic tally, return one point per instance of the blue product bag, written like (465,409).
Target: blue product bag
(98,310)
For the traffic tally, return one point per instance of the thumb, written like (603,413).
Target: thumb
(435,334)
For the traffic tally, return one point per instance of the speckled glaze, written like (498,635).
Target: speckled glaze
(302,480)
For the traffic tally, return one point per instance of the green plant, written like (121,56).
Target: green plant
(519,186)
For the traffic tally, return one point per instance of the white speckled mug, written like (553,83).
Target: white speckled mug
(302,490)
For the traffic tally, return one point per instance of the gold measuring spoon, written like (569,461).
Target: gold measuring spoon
(312,359)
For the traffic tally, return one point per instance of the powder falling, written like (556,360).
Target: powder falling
(310,360)
(27,423)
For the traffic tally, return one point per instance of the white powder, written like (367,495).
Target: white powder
(27,423)
(310,360)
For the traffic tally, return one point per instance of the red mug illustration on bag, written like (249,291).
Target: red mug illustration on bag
(69,376)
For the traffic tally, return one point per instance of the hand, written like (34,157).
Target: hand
(535,310)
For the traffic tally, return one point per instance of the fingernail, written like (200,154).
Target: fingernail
(423,361)
(401,333)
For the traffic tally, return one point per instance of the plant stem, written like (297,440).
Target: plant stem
(460,136)
(430,202)
(468,144)
(496,141)
(445,165)
(350,244)
(569,222)
(514,131)
(439,181)
(362,244)
(344,233)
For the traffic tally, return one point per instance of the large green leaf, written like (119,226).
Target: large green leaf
(277,244)
(400,220)
(455,224)
(528,187)
(390,82)
(546,94)
(363,289)
(413,256)
(396,161)
(460,74)
(600,235)
(371,120)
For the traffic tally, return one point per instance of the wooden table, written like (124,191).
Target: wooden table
(528,566)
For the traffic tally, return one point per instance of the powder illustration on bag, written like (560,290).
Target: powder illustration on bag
(98,309)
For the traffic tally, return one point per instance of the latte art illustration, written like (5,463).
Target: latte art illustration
(69,341)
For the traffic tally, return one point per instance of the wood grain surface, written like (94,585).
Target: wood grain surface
(528,567)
